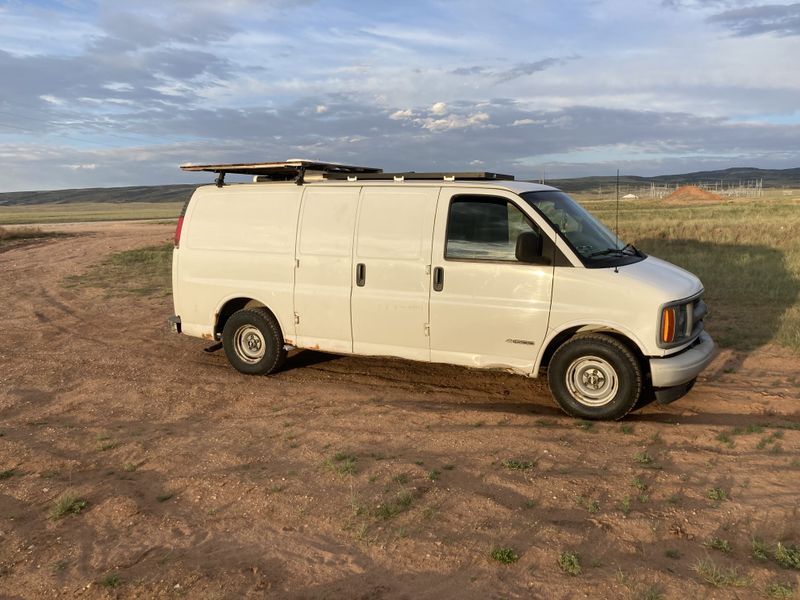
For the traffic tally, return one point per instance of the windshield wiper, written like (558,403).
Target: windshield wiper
(622,250)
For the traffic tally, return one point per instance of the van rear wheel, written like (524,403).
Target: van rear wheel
(594,376)
(253,342)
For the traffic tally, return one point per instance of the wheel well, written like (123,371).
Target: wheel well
(573,331)
(230,307)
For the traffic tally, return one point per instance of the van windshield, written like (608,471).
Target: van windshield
(594,244)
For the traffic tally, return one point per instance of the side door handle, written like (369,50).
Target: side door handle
(438,279)
(361,274)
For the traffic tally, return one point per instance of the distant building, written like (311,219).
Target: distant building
(630,197)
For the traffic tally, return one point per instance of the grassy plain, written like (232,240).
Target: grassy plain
(88,211)
(746,252)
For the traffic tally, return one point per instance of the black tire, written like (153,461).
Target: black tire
(594,376)
(253,341)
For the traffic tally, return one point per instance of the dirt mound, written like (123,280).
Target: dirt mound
(691,194)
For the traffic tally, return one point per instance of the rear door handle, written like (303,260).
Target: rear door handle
(361,274)
(438,279)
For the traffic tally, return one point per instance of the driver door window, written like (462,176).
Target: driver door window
(484,228)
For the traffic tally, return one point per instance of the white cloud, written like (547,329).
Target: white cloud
(321,109)
(401,115)
(477,120)
(439,108)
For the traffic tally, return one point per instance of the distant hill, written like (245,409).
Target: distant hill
(141,193)
(770,178)
(181,193)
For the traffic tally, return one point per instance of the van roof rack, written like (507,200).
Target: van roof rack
(300,171)
(293,169)
(413,175)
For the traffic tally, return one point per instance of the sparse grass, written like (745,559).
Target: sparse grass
(530,504)
(625,505)
(779,590)
(110,581)
(129,467)
(725,438)
(673,554)
(759,550)
(719,544)
(639,484)
(448,467)
(8,473)
(139,272)
(164,497)
(626,429)
(17,234)
(434,475)
(585,425)
(643,458)
(504,556)
(68,505)
(396,505)
(652,592)
(345,463)
(106,444)
(401,478)
(717,494)
(570,563)
(717,576)
(787,556)
(594,507)
(517,465)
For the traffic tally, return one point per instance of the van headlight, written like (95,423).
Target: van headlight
(680,321)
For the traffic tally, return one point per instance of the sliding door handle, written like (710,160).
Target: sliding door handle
(361,274)
(438,279)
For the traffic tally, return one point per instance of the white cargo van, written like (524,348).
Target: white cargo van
(471,269)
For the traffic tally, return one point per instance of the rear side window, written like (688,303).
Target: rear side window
(484,228)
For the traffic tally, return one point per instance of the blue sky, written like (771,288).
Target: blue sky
(105,93)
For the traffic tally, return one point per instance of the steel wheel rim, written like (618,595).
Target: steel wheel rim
(249,344)
(592,381)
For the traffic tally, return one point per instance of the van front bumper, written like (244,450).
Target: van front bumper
(681,368)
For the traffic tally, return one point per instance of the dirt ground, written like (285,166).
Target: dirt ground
(345,477)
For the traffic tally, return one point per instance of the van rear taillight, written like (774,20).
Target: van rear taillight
(178,231)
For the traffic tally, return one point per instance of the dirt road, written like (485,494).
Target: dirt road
(358,478)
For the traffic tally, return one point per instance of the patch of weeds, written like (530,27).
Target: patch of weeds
(517,465)
(759,550)
(142,272)
(724,437)
(593,507)
(391,508)
(769,439)
(111,580)
(776,449)
(779,590)
(585,425)
(433,474)
(430,512)
(674,499)
(795,463)
(787,556)
(719,544)
(625,505)
(401,478)
(68,505)
(545,422)
(673,554)
(346,463)
(570,563)
(7,474)
(129,467)
(639,484)
(715,575)
(448,467)
(596,563)
(656,438)
(164,497)
(754,428)
(419,463)
(104,444)
(530,504)
(717,494)
(643,498)
(643,458)
(504,556)
(652,592)
(276,488)
(626,429)
(479,424)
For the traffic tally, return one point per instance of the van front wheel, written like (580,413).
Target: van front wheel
(594,376)
(253,342)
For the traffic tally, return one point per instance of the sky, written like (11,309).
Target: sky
(111,93)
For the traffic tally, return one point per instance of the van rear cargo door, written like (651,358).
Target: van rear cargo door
(392,257)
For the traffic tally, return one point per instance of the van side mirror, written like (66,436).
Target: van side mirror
(529,249)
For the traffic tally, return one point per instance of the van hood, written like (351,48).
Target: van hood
(663,278)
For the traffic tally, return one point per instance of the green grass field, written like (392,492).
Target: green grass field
(88,211)
(746,252)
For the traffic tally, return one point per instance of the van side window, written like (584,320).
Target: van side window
(484,228)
